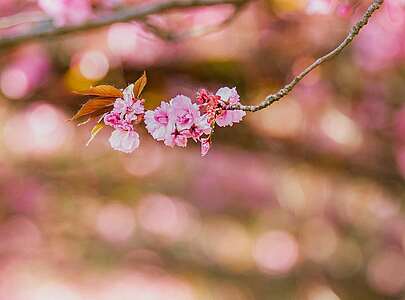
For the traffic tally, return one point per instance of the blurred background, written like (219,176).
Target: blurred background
(301,201)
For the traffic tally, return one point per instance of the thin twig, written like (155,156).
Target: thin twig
(126,14)
(288,88)
(193,32)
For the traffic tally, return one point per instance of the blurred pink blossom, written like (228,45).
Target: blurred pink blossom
(66,12)
(386,272)
(372,113)
(319,6)
(115,223)
(131,43)
(28,70)
(399,124)
(325,7)
(382,42)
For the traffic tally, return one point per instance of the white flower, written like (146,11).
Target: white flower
(124,141)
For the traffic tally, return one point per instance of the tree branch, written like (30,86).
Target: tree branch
(22,18)
(47,30)
(376,4)
(196,31)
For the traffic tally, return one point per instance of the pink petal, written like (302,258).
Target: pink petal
(205,146)
(124,141)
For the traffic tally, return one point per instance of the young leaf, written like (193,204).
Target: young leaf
(84,122)
(96,129)
(93,106)
(140,84)
(102,91)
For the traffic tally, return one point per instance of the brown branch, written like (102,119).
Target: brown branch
(48,30)
(22,18)
(193,32)
(376,4)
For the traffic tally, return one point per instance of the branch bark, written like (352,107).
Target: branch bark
(270,99)
(47,30)
(193,32)
(22,18)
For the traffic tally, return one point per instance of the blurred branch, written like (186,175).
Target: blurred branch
(194,32)
(48,30)
(22,18)
(378,168)
(376,4)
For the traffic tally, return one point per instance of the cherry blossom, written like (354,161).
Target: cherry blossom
(124,140)
(177,121)
(228,117)
(125,113)
(174,122)
(184,112)
(176,138)
(205,146)
(157,121)
(181,119)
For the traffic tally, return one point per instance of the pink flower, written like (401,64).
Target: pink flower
(121,118)
(184,112)
(120,106)
(204,97)
(176,139)
(128,93)
(200,127)
(112,119)
(134,110)
(228,117)
(205,146)
(229,96)
(138,107)
(203,124)
(125,111)
(158,122)
(66,11)
(129,107)
(124,141)
(115,120)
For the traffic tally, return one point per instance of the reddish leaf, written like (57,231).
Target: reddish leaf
(94,107)
(84,122)
(140,84)
(102,91)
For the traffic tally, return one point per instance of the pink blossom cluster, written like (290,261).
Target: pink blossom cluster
(174,122)
(126,112)
(179,120)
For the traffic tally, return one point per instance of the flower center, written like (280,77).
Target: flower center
(184,118)
(162,119)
